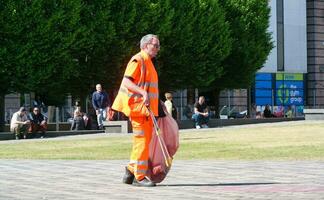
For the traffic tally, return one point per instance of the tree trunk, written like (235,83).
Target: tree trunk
(2,112)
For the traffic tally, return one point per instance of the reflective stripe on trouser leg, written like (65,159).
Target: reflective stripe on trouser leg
(142,134)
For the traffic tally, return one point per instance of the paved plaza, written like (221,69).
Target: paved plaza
(74,179)
(193,179)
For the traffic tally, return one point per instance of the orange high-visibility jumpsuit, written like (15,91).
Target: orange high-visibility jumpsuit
(142,125)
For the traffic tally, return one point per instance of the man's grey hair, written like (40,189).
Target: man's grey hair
(147,39)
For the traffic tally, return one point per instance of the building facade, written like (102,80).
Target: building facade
(291,76)
(315,53)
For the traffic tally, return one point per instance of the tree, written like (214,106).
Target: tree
(7,68)
(116,27)
(195,39)
(249,21)
(56,48)
(44,35)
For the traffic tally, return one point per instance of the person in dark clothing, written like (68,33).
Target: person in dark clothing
(201,115)
(38,122)
(267,112)
(101,103)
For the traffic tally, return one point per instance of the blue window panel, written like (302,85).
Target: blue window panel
(263,101)
(263,77)
(263,93)
(263,84)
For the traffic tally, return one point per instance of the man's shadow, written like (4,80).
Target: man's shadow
(215,184)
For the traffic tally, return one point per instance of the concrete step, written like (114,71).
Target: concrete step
(10,136)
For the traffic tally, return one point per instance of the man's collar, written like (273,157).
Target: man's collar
(144,55)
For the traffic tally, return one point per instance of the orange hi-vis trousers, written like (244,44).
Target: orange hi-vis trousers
(142,134)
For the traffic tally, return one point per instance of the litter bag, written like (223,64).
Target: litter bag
(159,163)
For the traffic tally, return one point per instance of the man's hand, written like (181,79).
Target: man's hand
(97,112)
(145,98)
(27,122)
(127,83)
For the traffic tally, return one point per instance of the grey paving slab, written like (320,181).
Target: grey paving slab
(77,179)
(83,180)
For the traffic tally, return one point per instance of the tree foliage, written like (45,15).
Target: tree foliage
(195,40)
(42,40)
(249,21)
(57,47)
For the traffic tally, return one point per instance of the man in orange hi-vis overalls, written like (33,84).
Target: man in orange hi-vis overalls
(138,93)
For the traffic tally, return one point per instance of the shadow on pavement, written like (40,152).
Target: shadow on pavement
(216,184)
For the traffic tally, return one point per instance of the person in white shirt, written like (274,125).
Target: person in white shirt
(171,108)
(19,124)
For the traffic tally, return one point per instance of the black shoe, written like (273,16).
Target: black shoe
(144,183)
(128,176)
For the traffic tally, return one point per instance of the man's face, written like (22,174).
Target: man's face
(98,88)
(201,100)
(36,111)
(153,47)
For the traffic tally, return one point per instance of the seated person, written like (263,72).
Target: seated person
(19,124)
(38,122)
(201,115)
(87,121)
(267,112)
(78,121)
(289,113)
(258,115)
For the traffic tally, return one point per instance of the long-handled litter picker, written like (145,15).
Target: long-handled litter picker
(166,155)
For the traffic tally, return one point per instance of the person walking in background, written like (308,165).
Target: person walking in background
(138,93)
(201,115)
(19,124)
(101,104)
(172,110)
(38,122)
